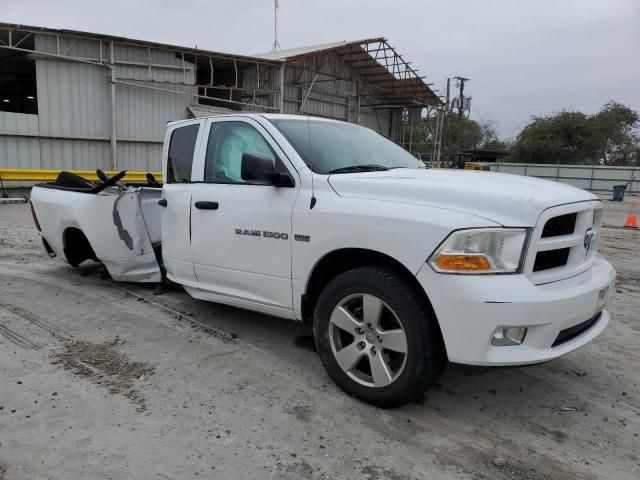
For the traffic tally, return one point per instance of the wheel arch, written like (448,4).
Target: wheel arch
(76,246)
(341,260)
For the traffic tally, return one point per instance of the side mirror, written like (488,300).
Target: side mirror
(258,168)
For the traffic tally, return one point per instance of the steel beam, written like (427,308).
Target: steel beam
(36,175)
(114,141)
(281,99)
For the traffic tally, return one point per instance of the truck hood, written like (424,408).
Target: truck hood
(510,200)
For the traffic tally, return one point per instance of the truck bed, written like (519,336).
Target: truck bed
(119,226)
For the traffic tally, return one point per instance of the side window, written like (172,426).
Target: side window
(227,142)
(181,148)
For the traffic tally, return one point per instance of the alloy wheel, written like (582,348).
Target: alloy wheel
(368,340)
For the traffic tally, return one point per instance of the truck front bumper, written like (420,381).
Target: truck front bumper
(470,308)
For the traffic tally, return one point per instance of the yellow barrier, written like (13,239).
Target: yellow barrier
(25,175)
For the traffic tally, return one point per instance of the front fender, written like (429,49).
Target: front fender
(405,232)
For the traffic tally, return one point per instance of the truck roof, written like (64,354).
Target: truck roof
(268,116)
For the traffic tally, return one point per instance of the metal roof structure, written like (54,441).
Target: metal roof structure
(133,42)
(376,63)
(73,99)
(296,52)
(199,111)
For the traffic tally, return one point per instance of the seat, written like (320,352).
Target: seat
(68,179)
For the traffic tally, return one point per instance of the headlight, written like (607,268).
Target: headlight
(480,250)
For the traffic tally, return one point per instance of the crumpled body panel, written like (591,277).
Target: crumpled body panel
(117,225)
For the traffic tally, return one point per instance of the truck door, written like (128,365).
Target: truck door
(241,232)
(180,146)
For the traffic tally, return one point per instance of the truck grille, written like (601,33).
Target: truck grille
(562,225)
(560,245)
(551,259)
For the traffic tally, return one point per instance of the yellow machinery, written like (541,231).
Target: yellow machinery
(462,161)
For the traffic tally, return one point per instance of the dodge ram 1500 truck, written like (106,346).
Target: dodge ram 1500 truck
(398,268)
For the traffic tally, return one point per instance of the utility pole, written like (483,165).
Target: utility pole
(461,81)
(445,120)
(276,45)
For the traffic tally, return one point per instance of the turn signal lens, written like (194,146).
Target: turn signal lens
(462,263)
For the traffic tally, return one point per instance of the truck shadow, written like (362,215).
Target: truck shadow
(462,392)
(294,341)
(513,389)
(518,412)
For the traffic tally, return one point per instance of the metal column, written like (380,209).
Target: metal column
(114,143)
(282,89)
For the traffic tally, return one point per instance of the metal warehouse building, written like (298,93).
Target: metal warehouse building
(76,100)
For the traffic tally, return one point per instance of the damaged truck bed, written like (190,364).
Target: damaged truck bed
(118,225)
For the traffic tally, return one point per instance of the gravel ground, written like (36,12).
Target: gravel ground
(106,380)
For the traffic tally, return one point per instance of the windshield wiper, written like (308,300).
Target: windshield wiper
(360,168)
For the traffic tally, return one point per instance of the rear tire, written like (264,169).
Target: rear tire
(377,338)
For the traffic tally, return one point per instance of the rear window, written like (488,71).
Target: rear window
(180,158)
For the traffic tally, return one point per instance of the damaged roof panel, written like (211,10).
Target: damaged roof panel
(377,63)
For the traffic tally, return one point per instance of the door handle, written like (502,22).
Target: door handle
(206,205)
(162,202)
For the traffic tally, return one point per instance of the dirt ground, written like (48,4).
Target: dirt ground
(105,380)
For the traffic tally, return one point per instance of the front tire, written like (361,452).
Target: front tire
(376,337)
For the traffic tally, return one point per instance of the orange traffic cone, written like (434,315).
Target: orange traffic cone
(632,218)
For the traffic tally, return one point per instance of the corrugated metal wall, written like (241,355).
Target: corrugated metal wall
(264,81)
(73,127)
(589,177)
(337,99)
(73,99)
(74,115)
(18,145)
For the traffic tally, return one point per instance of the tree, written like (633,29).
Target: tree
(465,133)
(423,138)
(496,144)
(565,137)
(608,137)
(489,137)
(616,129)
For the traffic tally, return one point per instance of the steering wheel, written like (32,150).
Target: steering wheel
(107,181)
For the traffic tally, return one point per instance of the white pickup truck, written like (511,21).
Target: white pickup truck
(399,268)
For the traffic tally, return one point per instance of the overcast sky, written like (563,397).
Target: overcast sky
(524,57)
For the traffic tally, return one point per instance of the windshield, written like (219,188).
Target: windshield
(340,147)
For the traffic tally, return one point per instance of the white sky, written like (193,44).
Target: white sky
(524,57)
